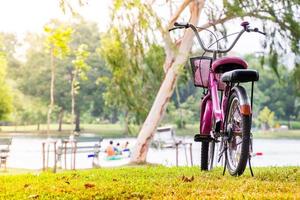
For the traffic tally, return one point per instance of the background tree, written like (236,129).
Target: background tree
(90,102)
(30,89)
(278,94)
(79,71)
(32,85)
(133,61)
(5,96)
(9,45)
(266,118)
(57,44)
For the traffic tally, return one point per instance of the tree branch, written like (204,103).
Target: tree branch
(169,45)
(218,21)
(184,4)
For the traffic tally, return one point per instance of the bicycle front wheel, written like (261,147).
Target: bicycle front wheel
(207,155)
(238,128)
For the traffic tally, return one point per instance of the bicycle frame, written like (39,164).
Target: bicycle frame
(211,107)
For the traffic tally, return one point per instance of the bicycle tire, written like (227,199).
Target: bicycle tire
(239,140)
(207,155)
(211,155)
(204,155)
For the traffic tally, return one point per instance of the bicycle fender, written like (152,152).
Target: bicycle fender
(206,115)
(244,100)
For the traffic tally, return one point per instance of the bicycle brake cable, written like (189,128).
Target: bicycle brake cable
(223,38)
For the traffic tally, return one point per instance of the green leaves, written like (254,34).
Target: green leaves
(135,70)
(58,39)
(280,20)
(79,63)
(266,118)
(5,92)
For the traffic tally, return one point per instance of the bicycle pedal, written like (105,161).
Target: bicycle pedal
(204,138)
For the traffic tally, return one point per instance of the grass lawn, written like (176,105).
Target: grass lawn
(153,182)
(14,171)
(287,134)
(290,134)
(105,130)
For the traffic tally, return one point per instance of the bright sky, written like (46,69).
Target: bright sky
(21,16)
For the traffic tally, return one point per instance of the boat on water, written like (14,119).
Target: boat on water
(164,138)
(115,157)
(125,155)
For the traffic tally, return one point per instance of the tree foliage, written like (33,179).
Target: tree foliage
(266,118)
(58,39)
(80,68)
(135,22)
(280,95)
(30,80)
(133,60)
(5,96)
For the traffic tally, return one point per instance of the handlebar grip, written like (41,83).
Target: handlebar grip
(182,24)
(174,28)
(258,31)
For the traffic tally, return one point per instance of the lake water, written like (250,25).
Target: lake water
(26,152)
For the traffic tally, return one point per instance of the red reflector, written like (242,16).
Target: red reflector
(245,109)
(259,154)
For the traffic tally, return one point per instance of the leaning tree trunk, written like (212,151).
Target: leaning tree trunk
(167,87)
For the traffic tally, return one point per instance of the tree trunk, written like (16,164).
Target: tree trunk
(126,132)
(51,90)
(77,120)
(166,90)
(114,116)
(60,119)
(73,78)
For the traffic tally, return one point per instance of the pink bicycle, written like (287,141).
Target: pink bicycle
(226,121)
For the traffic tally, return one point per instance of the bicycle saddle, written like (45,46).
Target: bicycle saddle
(240,76)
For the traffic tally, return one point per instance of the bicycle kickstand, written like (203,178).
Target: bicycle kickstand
(225,164)
(250,167)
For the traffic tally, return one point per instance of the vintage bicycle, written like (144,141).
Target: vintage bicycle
(225,121)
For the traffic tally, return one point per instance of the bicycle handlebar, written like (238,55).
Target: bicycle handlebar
(245,29)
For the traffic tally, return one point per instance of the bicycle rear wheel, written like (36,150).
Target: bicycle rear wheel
(238,128)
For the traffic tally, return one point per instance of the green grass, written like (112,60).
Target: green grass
(153,182)
(105,130)
(190,129)
(290,134)
(117,130)
(14,171)
(292,124)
